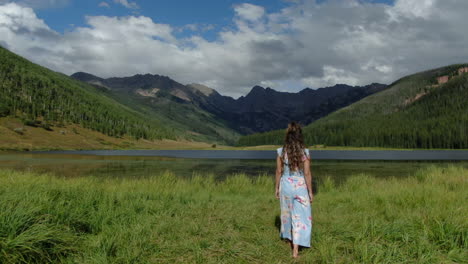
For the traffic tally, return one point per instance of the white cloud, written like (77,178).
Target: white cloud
(22,30)
(332,76)
(308,44)
(104,4)
(412,8)
(127,4)
(249,12)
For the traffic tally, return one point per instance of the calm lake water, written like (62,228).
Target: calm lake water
(79,165)
(270,154)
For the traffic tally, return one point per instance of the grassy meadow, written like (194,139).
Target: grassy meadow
(76,137)
(168,219)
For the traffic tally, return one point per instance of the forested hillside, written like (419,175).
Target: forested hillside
(414,112)
(41,97)
(170,102)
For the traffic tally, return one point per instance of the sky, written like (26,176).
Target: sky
(233,45)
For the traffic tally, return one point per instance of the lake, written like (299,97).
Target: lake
(269,154)
(134,164)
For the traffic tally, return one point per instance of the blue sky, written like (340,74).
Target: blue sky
(177,13)
(211,15)
(233,45)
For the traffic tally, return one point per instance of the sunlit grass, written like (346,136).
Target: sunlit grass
(168,219)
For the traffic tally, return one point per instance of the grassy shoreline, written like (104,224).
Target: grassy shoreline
(166,219)
(75,137)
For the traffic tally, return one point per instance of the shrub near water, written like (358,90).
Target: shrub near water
(165,219)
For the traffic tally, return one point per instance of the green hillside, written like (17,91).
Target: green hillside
(414,112)
(42,98)
(193,122)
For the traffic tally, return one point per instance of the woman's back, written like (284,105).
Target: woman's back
(286,169)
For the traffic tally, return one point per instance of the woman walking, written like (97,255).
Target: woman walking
(294,189)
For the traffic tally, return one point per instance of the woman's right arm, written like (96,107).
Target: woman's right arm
(279,168)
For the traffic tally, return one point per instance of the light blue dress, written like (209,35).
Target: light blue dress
(296,210)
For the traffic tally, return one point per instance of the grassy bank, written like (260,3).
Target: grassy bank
(16,136)
(166,219)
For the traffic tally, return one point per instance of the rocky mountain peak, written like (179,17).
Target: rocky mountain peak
(205,90)
(256,90)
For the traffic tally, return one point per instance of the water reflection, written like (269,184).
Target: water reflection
(68,165)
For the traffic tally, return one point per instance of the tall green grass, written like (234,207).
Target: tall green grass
(166,219)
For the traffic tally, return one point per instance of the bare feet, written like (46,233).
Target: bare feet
(295,250)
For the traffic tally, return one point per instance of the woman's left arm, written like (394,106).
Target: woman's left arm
(308,178)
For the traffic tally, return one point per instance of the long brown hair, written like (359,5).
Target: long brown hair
(294,146)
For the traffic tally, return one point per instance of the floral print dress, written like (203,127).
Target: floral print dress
(296,210)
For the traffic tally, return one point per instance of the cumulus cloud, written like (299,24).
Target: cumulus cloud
(306,44)
(127,4)
(21,29)
(249,12)
(412,8)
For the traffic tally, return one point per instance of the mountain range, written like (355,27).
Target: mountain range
(423,110)
(151,107)
(262,109)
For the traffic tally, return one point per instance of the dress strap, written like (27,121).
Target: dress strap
(279,151)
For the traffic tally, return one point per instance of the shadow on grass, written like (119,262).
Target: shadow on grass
(278,222)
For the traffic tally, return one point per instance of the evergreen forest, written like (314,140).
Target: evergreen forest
(414,112)
(41,97)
